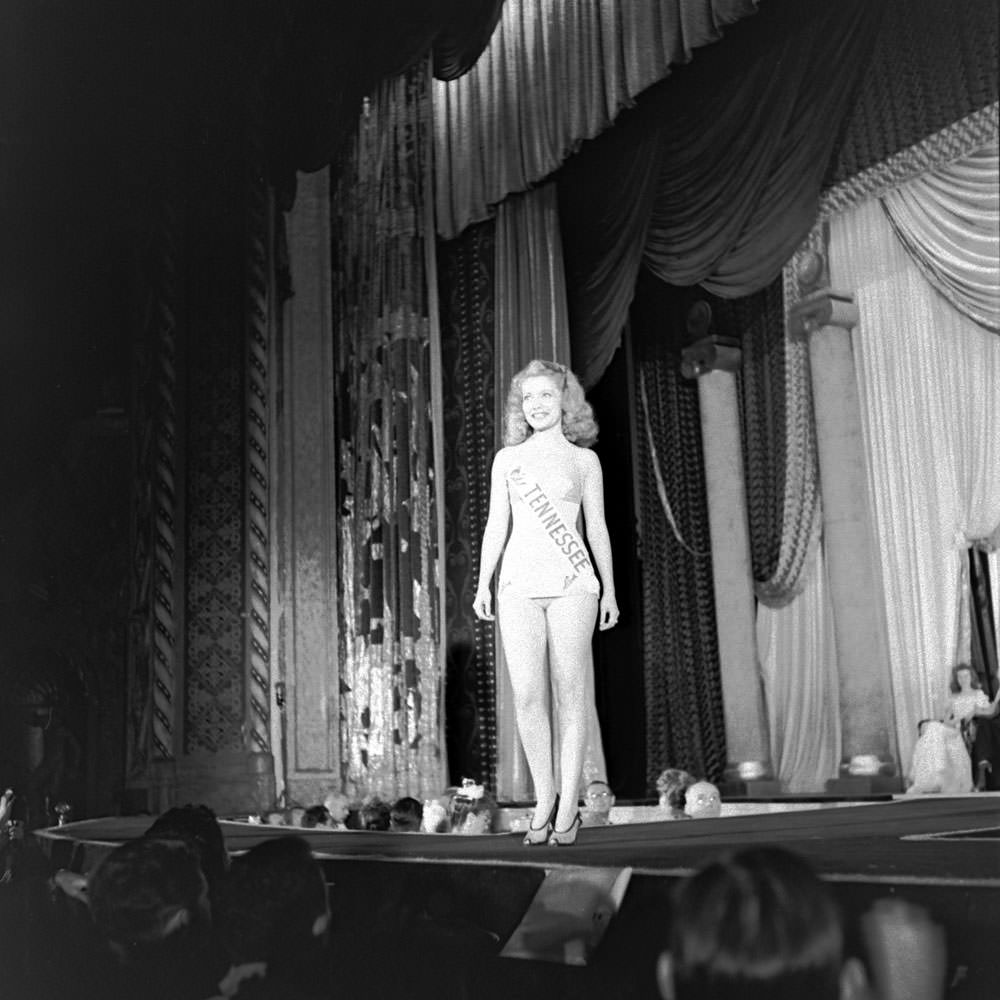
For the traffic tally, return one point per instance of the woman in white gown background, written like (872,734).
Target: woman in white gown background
(941,761)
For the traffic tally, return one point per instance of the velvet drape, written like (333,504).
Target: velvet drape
(555,72)
(749,125)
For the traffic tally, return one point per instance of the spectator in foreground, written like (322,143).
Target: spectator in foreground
(149,902)
(760,925)
(198,827)
(273,919)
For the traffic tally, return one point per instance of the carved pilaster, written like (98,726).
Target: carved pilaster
(164,488)
(827,318)
(256,468)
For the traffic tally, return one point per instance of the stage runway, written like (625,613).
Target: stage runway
(426,915)
(926,838)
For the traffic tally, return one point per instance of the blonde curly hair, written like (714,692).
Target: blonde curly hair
(578,423)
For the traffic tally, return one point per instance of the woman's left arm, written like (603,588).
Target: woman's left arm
(986,708)
(598,540)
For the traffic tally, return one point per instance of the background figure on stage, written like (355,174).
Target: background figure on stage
(338,807)
(598,800)
(672,786)
(375,813)
(406,815)
(702,800)
(548,593)
(941,757)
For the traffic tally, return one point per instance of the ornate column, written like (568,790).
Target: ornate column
(714,361)
(868,764)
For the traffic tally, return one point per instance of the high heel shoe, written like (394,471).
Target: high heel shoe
(540,834)
(566,838)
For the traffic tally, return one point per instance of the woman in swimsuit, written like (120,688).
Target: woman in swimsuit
(548,593)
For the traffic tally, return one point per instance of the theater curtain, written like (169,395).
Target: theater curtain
(746,126)
(531,323)
(798,662)
(929,381)
(794,617)
(555,72)
(388,492)
(949,222)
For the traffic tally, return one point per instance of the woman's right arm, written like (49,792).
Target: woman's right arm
(494,537)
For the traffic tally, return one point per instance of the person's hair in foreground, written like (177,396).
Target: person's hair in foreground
(149,899)
(578,423)
(198,827)
(757,924)
(274,908)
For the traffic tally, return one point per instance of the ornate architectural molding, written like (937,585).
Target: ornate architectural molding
(257,572)
(164,488)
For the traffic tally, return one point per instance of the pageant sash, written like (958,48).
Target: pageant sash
(565,539)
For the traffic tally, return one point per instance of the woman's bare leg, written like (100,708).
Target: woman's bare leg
(522,630)
(570,630)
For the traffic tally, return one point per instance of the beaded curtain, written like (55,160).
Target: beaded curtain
(388,592)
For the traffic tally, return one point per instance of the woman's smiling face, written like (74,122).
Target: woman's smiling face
(541,402)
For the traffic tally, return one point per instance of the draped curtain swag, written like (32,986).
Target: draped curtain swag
(555,72)
(930,395)
(750,127)
(949,222)
(388,495)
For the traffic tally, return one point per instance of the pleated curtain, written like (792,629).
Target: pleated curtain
(929,380)
(556,72)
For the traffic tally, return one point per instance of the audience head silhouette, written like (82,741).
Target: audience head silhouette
(274,908)
(758,925)
(198,827)
(149,899)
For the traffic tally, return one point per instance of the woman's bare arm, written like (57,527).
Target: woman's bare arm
(598,540)
(494,536)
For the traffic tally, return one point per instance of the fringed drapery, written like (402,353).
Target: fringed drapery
(467,344)
(794,618)
(932,65)
(959,139)
(779,445)
(949,221)
(388,497)
(555,72)
(929,384)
